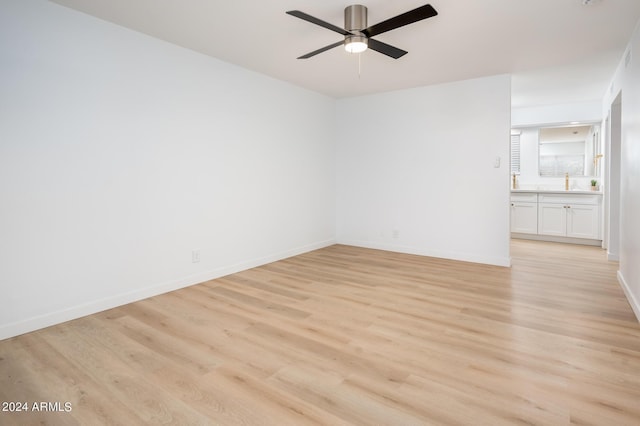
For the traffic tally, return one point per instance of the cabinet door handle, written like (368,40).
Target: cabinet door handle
(568,207)
(513,205)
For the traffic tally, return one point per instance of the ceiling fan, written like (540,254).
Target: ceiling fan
(357,36)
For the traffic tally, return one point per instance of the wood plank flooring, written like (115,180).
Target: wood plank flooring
(346,335)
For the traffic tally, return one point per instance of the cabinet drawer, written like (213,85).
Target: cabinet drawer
(569,199)
(524,197)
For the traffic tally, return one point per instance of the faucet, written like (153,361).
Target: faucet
(566,181)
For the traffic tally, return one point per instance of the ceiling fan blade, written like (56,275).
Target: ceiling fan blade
(314,20)
(386,49)
(323,49)
(415,15)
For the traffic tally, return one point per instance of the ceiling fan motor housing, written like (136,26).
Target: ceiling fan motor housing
(355,17)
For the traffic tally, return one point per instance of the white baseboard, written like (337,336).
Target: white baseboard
(463,257)
(554,239)
(57,317)
(635,304)
(613,257)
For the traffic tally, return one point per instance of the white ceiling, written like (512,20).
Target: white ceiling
(557,50)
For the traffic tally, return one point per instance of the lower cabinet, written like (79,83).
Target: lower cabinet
(556,214)
(575,216)
(552,219)
(524,213)
(583,221)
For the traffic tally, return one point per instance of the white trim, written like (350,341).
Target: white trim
(635,304)
(555,239)
(463,257)
(613,257)
(53,318)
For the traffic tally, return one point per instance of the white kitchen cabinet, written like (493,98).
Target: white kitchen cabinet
(569,215)
(561,216)
(583,221)
(552,219)
(524,213)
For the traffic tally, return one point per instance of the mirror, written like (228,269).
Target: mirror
(569,149)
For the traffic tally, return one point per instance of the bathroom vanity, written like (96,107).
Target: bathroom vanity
(561,216)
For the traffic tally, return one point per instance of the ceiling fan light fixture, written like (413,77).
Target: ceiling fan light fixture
(355,43)
(355,20)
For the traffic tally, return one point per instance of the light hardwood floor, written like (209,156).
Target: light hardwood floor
(346,335)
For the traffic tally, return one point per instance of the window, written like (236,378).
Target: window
(515,153)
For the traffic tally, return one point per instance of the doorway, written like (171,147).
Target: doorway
(612,181)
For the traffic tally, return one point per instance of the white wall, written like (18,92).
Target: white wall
(120,153)
(416,170)
(612,157)
(627,82)
(529,157)
(552,114)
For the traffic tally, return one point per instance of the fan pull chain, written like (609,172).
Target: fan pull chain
(359,65)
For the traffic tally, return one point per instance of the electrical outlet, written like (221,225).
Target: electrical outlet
(195,256)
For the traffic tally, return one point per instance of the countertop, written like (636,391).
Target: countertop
(559,191)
